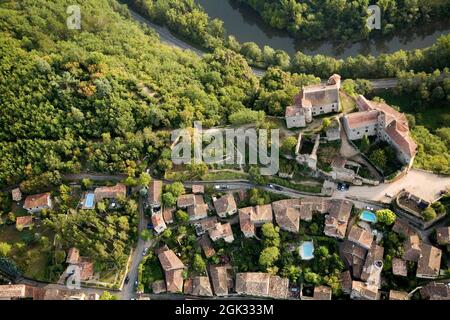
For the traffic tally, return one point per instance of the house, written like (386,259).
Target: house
(261,214)
(15,292)
(24,222)
(206,245)
(173,270)
(435,291)
(363,291)
(398,295)
(345,279)
(322,293)
(186,200)
(260,284)
(199,210)
(225,206)
(16,194)
(371,272)
(221,279)
(354,256)
(221,231)
(381,120)
(402,227)
(154,194)
(443,236)
(38,202)
(86,269)
(312,101)
(245,223)
(337,219)
(198,189)
(114,192)
(429,263)
(399,267)
(287,215)
(168,215)
(361,236)
(159,286)
(204,225)
(412,248)
(158,223)
(198,286)
(73,256)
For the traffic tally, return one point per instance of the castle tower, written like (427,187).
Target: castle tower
(335,79)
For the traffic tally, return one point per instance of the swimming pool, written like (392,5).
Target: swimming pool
(89,200)
(307,250)
(368,216)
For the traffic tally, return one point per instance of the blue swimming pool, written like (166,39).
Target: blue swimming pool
(368,216)
(89,200)
(307,250)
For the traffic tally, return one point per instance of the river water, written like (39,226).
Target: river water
(246,25)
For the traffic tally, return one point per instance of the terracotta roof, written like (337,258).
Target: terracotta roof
(198,188)
(221,279)
(114,192)
(168,214)
(400,135)
(24,221)
(87,269)
(412,248)
(365,291)
(286,215)
(362,119)
(337,219)
(354,255)
(174,280)
(262,285)
(158,220)
(443,235)
(261,214)
(159,286)
(154,192)
(15,291)
(221,231)
(198,211)
(345,279)
(398,295)
(401,226)
(186,200)
(225,204)
(334,79)
(399,267)
(206,245)
(375,253)
(37,200)
(247,227)
(320,95)
(360,236)
(200,286)
(322,293)
(429,262)
(170,261)
(73,256)
(435,290)
(292,111)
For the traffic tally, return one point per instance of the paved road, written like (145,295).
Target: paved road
(167,37)
(129,289)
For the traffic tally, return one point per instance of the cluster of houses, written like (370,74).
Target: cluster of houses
(35,203)
(373,118)
(28,292)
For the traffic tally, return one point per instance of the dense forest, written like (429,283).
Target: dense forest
(96,97)
(188,20)
(345,20)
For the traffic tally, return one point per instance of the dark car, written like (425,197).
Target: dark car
(149,226)
(278,188)
(343,186)
(127,279)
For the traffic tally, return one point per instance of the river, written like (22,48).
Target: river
(246,25)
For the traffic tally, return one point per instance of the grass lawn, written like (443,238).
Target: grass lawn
(348,104)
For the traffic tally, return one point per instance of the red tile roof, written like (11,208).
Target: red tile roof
(37,200)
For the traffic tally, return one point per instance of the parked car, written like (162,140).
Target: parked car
(278,188)
(271,186)
(127,279)
(149,226)
(144,253)
(343,186)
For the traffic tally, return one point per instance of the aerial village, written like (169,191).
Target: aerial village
(213,240)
